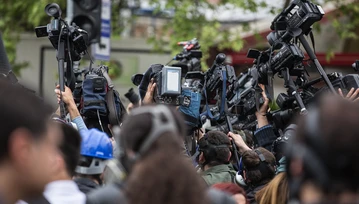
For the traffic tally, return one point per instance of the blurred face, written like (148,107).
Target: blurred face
(38,158)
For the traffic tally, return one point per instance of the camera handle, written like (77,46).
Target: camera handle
(61,62)
(292,90)
(230,128)
(319,67)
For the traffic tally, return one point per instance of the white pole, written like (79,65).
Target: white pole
(69,11)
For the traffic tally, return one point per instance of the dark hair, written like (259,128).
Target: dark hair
(163,174)
(257,171)
(335,145)
(213,154)
(70,147)
(20,108)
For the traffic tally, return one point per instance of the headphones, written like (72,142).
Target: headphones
(162,121)
(311,162)
(263,167)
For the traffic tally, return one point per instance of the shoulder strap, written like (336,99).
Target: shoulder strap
(111,104)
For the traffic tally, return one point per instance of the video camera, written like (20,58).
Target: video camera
(58,30)
(219,78)
(190,57)
(294,20)
(288,56)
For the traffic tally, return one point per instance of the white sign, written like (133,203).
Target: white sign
(102,50)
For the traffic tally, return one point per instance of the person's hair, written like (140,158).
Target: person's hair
(215,155)
(20,108)
(163,174)
(337,134)
(252,164)
(70,147)
(276,191)
(231,189)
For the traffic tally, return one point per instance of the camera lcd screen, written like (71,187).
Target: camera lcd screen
(173,81)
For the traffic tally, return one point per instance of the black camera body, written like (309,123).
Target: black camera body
(306,15)
(287,57)
(215,79)
(300,14)
(190,57)
(77,37)
(346,82)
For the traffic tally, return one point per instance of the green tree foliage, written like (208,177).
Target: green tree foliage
(351,11)
(189,21)
(17,16)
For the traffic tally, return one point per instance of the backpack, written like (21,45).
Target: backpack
(99,99)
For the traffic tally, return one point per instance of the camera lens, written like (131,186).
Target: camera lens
(53,10)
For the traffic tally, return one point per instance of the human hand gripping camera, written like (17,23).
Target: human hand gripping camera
(68,99)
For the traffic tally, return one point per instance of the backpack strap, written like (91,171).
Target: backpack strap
(111,104)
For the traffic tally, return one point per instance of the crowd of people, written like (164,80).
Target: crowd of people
(46,159)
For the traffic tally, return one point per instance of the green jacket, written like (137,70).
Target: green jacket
(219,174)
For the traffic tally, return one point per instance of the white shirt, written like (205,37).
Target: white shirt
(61,192)
(64,191)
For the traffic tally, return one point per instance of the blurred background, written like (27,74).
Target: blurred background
(144,32)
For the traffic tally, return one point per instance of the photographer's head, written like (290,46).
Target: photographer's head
(69,152)
(323,156)
(151,140)
(214,149)
(259,166)
(143,127)
(96,148)
(27,143)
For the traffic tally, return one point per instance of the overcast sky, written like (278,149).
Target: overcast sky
(230,13)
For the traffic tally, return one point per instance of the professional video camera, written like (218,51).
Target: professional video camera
(190,57)
(294,20)
(219,78)
(92,88)
(285,58)
(70,43)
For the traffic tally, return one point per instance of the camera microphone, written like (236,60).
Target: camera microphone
(220,58)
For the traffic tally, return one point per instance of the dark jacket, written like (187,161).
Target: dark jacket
(86,185)
(109,194)
(251,193)
(219,174)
